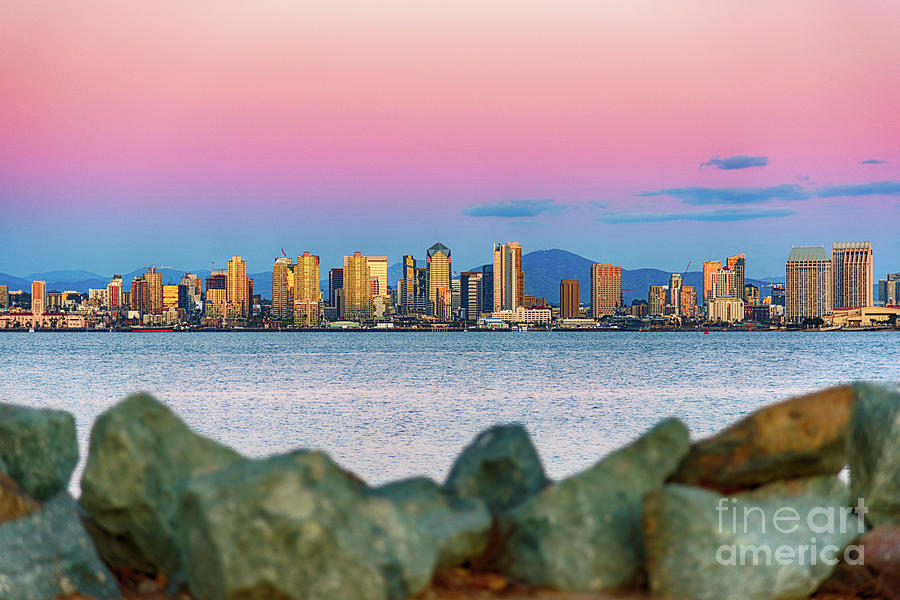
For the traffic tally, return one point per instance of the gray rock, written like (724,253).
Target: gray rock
(584,533)
(874,451)
(799,437)
(697,551)
(295,527)
(460,526)
(38,448)
(48,554)
(501,466)
(140,458)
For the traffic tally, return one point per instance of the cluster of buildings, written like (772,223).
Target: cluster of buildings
(818,290)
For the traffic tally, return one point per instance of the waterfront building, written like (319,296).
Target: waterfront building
(532,316)
(851,274)
(216,294)
(724,283)
(194,291)
(751,294)
(175,296)
(408,285)
(154,290)
(336,291)
(807,284)
(725,309)
(357,300)
(38,297)
(606,289)
(115,291)
(282,288)
(864,316)
(443,310)
(656,300)
(377,275)
(688,301)
(139,300)
(456,296)
(471,292)
(487,288)
(710,268)
(307,291)
(674,298)
(237,287)
(738,264)
(888,290)
(569,305)
(508,277)
(4,297)
(438,272)
(778,296)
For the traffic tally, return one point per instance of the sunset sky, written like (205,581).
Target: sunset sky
(638,133)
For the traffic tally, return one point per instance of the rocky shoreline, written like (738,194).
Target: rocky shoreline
(165,512)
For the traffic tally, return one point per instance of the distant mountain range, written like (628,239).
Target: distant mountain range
(543,271)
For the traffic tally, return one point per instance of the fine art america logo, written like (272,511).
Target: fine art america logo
(801,537)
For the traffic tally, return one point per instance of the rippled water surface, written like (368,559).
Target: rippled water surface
(389,405)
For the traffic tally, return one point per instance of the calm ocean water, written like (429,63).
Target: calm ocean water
(393,405)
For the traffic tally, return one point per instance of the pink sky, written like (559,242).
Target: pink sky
(443,105)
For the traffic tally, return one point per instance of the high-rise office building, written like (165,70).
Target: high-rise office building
(422,298)
(408,285)
(335,288)
(606,289)
(115,293)
(307,291)
(656,300)
(889,290)
(378,275)
(139,296)
(175,296)
(487,288)
(751,294)
(443,310)
(851,274)
(688,301)
(807,284)
(509,280)
(4,297)
(216,294)
(710,268)
(724,284)
(194,290)
(471,292)
(439,270)
(738,264)
(357,297)
(38,297)
(568,299)
(282,288)
(154,290)
(237,288)
(674,299)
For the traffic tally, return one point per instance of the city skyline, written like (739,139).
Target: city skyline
(711,130)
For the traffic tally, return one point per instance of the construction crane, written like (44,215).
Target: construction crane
(683,275)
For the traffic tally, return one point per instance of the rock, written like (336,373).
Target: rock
(294,527)
(501,466)
(583,534)
(48,554)
(140,458)
(461,526)
(38,448)
(14,503)
(874,452)
(882,546)
(800,437)
(700,547)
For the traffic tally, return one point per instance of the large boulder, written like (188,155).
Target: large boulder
(874,451)
(584,533)
(140,458)
(38,448)
(800,437)
(461,526)
(501,466)
(48,554)
(294,527)
(14,503)
(758,545)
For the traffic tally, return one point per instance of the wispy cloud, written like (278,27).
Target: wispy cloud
(739,161)
(874,161)
(875,188)
(699,196)
(724,214)
(517,208)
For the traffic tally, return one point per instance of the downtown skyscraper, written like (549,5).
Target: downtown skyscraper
(307,291)
(509,279)
(851,274)
(606,289)
(807,284)
(438,273)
